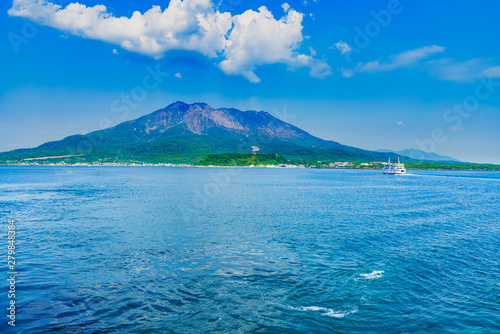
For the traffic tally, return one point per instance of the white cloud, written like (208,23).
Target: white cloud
(400,123)
(189,25)
(465,71)
(493,72)
(244,41)
(401,60)
(305,3)
(442,69)
(115,52)
(347,72)
(257,38)
(319,69)
(178,75)
(286,7)
(343,47)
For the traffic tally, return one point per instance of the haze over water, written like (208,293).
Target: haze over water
(202,250)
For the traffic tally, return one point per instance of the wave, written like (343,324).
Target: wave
(325,311)
(373,274)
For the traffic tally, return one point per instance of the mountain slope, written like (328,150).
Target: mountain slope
(187,133)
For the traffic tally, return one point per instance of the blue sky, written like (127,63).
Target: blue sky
(372,74)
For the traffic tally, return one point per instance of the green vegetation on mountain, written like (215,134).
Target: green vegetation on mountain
(235,159)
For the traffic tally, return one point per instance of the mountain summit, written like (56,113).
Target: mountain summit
(200,118)
(187,133)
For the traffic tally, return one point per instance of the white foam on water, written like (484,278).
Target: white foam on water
(325,311)
(311,308)
(334,314)
(373,274)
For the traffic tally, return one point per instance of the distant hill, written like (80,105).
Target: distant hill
(422,155)
(187,133)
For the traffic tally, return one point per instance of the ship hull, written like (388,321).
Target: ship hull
(394,169)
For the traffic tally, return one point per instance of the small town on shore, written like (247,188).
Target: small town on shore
(314,165)
(320,164)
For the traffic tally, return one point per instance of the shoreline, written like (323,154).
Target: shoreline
(212,166)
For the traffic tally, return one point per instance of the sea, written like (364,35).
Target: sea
(249,250)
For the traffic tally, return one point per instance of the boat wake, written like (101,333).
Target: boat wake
(457,177)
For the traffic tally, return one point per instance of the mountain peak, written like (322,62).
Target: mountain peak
(183,105)
(201,104)
(177,104)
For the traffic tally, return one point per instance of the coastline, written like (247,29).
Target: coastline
(221,166)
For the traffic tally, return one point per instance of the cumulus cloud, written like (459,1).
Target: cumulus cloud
(178,75)
(189,25)
(243,42)
(343,47)
(257,38)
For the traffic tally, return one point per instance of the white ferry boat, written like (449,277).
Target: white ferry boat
(390,168)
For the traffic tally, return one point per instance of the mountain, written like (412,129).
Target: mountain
(422,155)
(187,133)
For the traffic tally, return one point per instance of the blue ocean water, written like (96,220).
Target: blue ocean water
(214,250)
